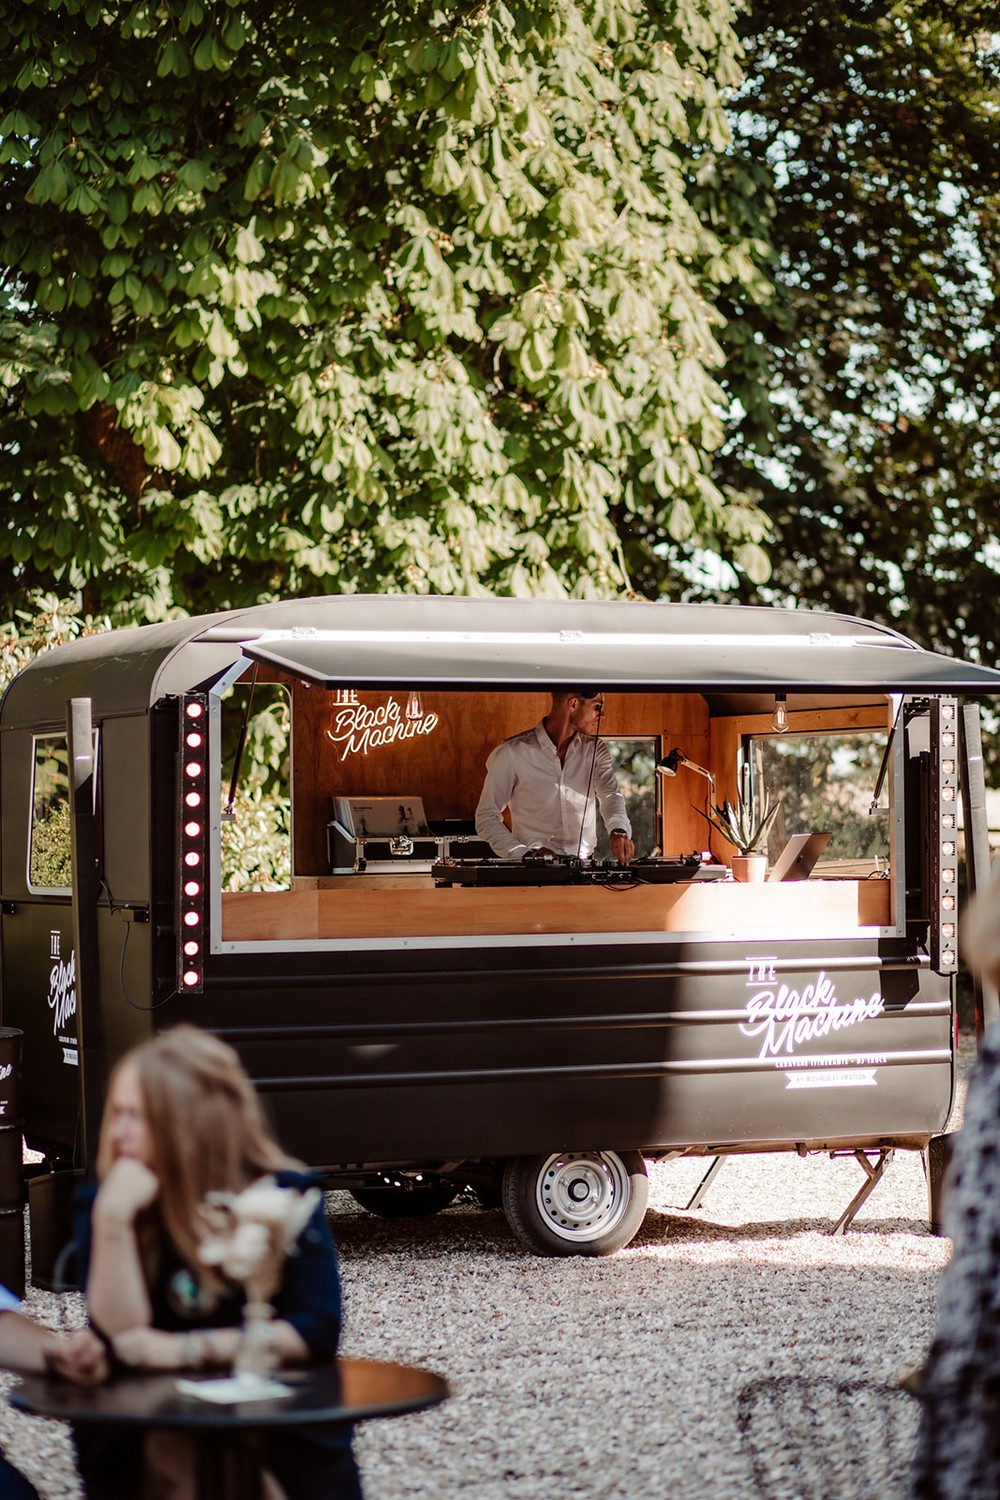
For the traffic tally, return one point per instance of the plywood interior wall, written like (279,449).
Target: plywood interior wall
(447,766)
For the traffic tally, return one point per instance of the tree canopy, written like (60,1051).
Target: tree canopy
(334,297)
(443,296)
(874,447)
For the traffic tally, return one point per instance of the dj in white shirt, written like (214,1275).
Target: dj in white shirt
(543,774)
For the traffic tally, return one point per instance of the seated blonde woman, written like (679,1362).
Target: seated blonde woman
(181,1121)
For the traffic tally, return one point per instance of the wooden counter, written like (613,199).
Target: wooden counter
(347,907)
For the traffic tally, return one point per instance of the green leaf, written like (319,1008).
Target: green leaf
(52,184)
(235,32)
(117,205)
(680,521)
(196,176)
(536,355)
(247,248)
(258,177)
(753,561)
(17,122)
(285,182)
(206,54)
(147,199)
(174,59)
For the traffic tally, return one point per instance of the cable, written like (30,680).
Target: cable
(590,782)
(114,907)
(121,980)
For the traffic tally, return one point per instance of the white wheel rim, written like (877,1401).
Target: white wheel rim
(582,1195)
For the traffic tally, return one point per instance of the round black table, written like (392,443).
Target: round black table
(229,1439)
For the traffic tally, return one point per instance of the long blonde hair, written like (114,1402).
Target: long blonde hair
(206,1127)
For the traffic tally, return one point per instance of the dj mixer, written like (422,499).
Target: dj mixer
(568,871)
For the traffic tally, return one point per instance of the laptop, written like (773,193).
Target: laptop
(796,860)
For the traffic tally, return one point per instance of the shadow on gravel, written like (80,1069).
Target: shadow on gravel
(485,1231)
(455,1230)
(659,1227)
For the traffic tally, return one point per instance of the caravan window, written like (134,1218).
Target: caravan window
(50,852)
(826,783)
(634,758)
(256,841)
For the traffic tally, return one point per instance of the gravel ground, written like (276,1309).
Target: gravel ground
(622,1377)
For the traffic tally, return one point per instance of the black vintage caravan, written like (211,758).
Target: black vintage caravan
(420,1015)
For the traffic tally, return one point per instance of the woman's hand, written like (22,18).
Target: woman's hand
(117,1295)
(128,1188)
(150,1349)
(79,1357)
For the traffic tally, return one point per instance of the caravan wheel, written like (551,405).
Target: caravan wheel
(576,1202)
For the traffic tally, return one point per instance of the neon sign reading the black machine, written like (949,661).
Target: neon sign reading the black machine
(357,730)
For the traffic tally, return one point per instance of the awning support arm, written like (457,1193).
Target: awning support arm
(885,761)
(228,814)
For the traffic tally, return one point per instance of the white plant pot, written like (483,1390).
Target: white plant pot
(750,868)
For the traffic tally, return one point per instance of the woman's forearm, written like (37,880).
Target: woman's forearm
(201,1348)
(289,1344)
(219,1346)
(22,1344)
(117,1296)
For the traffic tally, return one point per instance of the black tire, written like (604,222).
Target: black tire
(576,1202)
(418,1198)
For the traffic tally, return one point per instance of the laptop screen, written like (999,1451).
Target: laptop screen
(796,860)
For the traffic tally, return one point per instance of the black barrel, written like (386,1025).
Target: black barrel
(11,1162)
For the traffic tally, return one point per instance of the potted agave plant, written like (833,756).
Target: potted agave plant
(746,827)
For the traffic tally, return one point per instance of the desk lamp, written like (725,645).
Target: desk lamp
(669,765)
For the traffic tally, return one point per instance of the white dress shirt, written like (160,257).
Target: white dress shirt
(548,798)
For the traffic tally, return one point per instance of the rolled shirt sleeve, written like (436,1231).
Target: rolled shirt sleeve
(498,789)
(609,798)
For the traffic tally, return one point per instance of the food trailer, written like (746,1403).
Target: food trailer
(421,1016)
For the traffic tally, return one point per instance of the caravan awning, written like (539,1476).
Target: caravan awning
(740,652)
(733,653)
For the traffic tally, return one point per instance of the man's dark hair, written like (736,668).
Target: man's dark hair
(560,694)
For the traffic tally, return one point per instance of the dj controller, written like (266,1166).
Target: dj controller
(564,870)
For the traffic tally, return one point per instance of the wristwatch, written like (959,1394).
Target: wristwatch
(619,833)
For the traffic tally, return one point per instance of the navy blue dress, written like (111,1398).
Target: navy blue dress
(310,1464)
(13,1485)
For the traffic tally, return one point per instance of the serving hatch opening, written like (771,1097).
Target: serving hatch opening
(352,747)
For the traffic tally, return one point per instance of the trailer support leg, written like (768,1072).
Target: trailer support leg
(874,1174)
(698,1196)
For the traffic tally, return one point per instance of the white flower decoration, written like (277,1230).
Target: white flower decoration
(249,1234)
